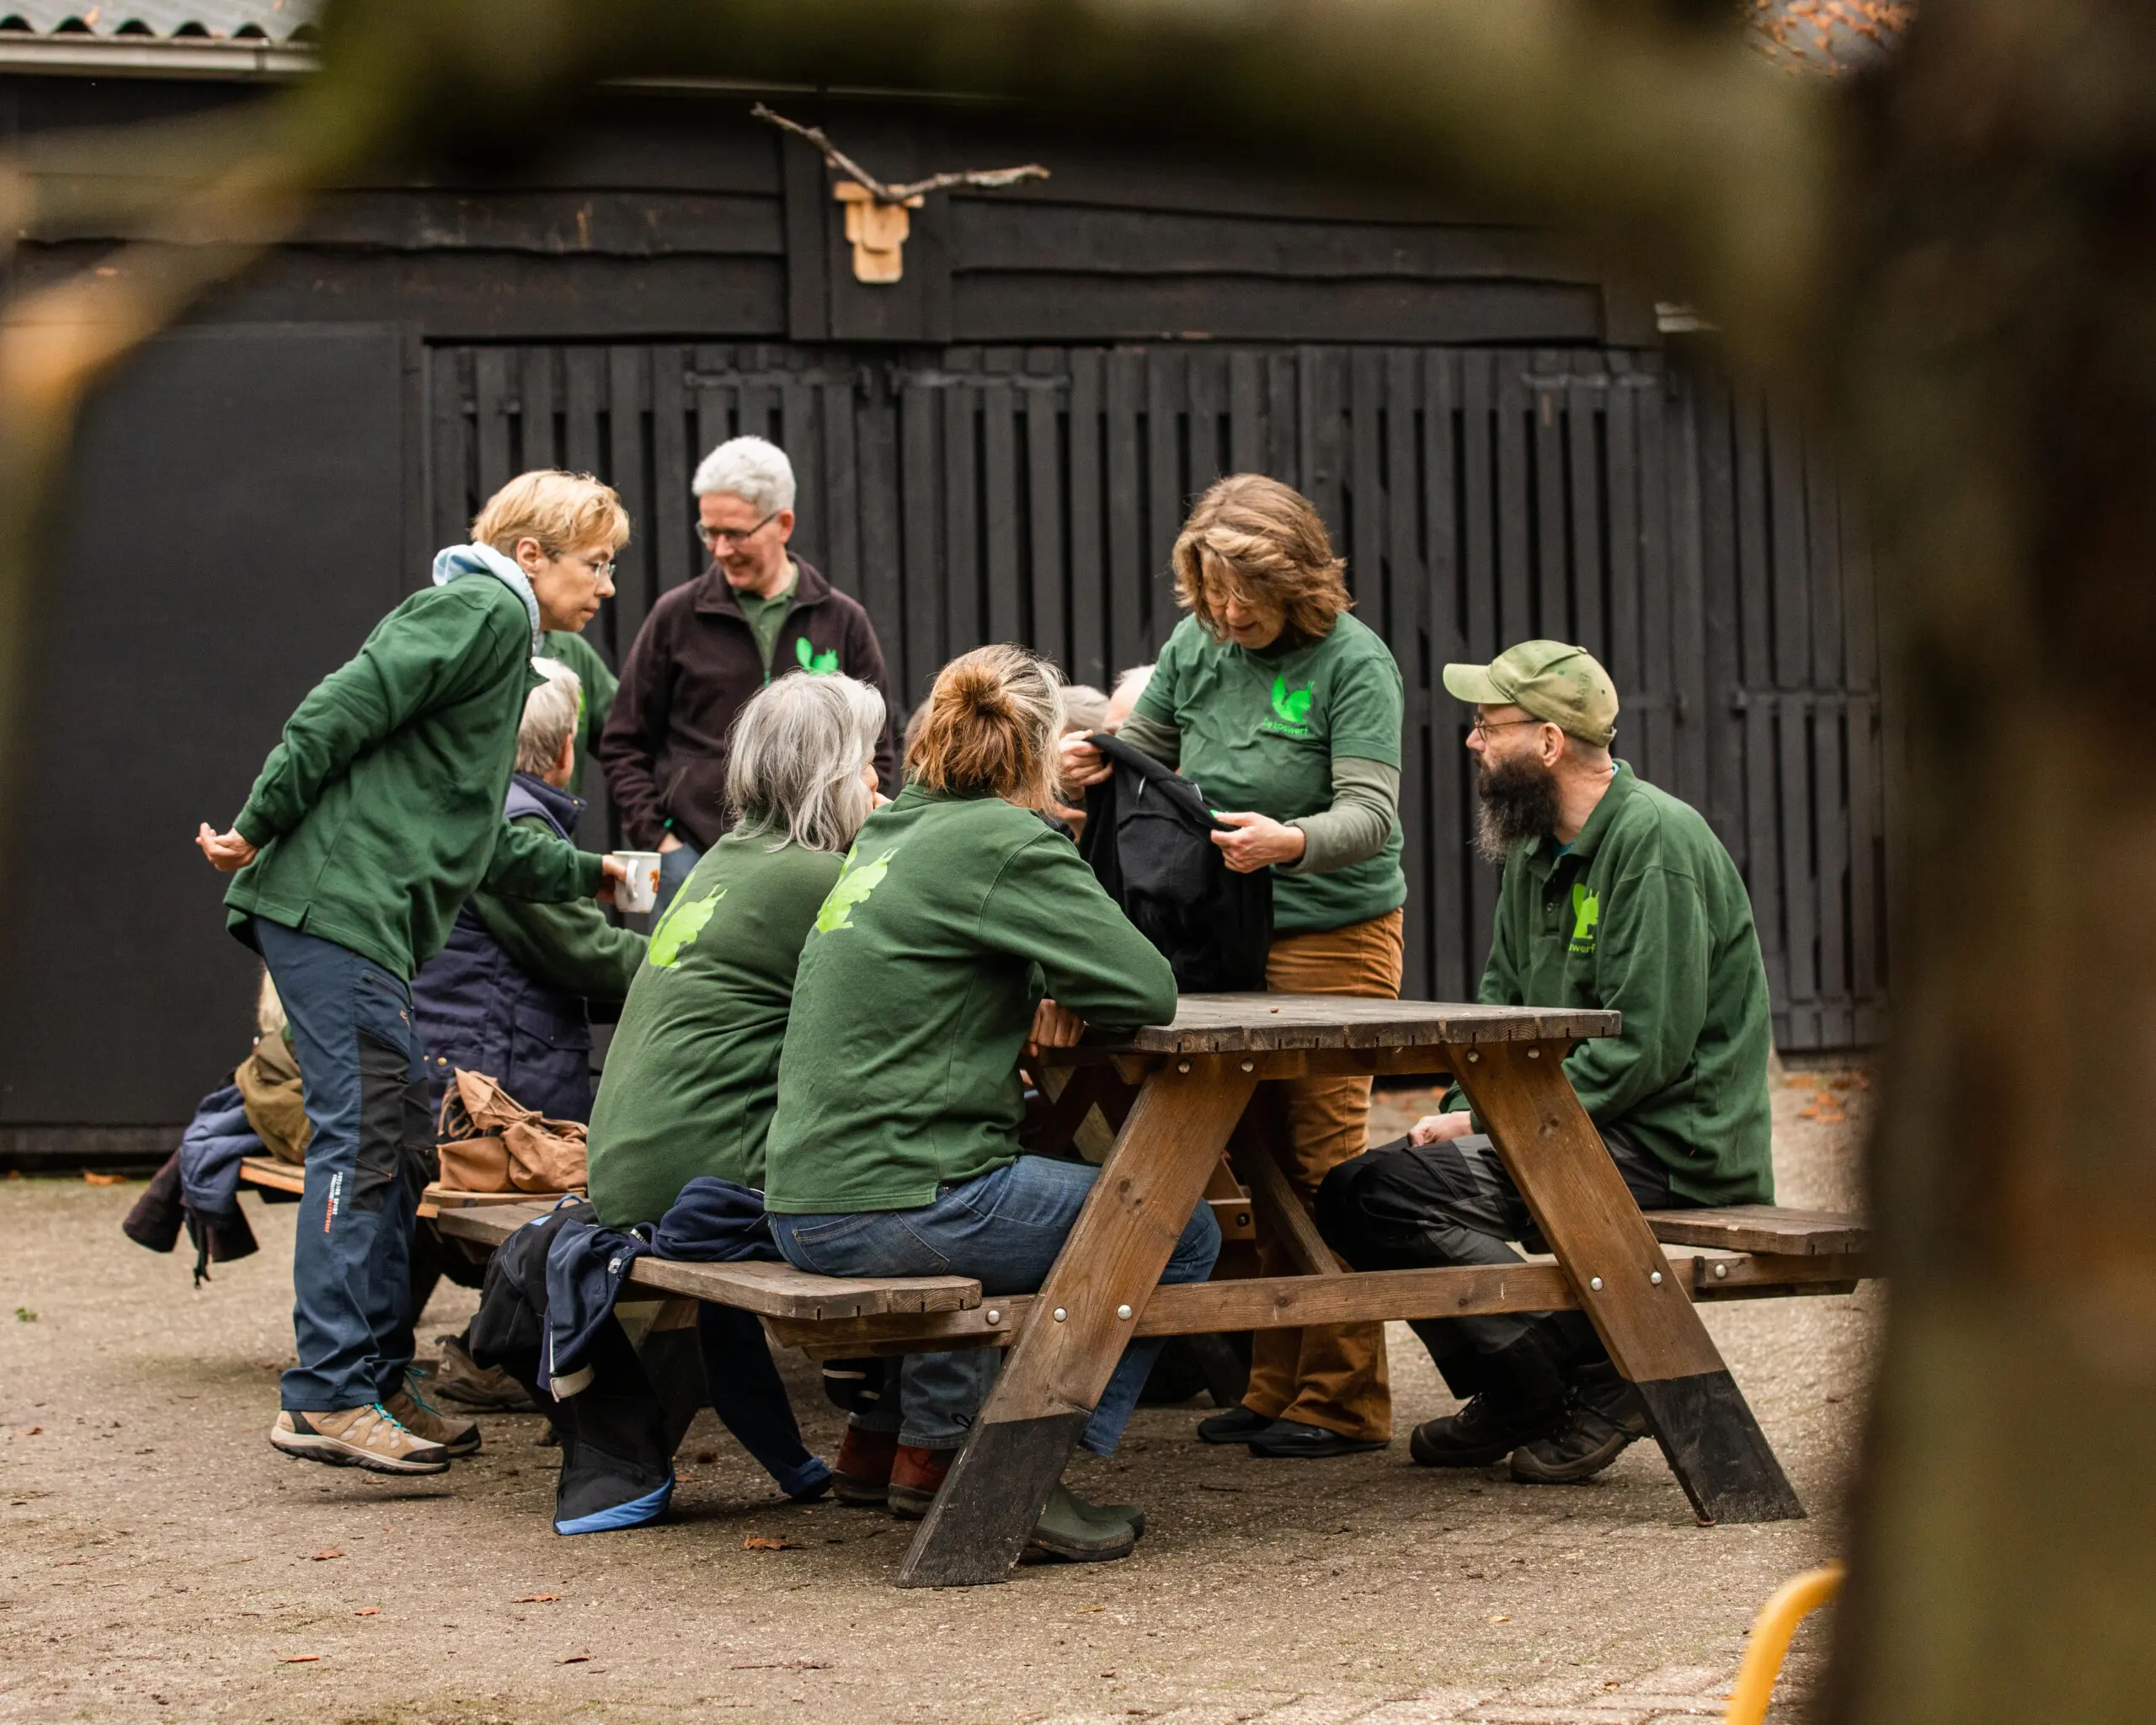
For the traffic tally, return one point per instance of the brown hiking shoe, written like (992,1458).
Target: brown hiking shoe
(461,1380)
(916,1477)
(863,1475)
(370,1437)
(460,1436)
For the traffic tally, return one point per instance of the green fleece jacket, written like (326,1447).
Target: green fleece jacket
(1644,913)
(568,945)
(916,990)
(692,1074)
(597,700)
(380,811)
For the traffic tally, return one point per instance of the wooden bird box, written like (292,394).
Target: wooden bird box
(877,231)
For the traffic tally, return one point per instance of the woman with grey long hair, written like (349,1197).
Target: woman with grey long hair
(692,1076)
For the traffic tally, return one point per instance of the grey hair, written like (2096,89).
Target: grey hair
(793,770)
(751,468)
(550,712)
(1085,707)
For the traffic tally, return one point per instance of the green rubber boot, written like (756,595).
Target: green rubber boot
(1127,1515)
(1068,1530)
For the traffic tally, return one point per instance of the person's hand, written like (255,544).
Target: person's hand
(226,850)
(1054,1027)
(1435,1129)
(667,842)
(1082,764)
(617,876)
(1257,842)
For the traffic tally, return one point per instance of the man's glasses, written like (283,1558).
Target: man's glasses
(1483,727)
(728,538)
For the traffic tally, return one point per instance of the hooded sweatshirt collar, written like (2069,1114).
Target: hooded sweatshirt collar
(460,560)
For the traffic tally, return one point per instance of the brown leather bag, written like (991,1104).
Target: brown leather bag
(489,1143)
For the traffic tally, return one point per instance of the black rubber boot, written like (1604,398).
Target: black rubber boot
(1523,1399)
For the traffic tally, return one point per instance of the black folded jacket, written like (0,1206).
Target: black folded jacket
(1148,838)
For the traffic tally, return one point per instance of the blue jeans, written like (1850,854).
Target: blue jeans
(1005,1230)
(674,868)
(365,1087)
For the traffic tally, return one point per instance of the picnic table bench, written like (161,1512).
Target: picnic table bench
(271,1173)
(1177,1096)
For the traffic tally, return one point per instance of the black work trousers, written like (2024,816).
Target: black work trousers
(1414,1206)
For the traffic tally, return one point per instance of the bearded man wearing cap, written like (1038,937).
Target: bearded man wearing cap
(1615,896)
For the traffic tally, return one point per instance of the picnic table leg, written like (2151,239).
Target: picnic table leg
(1642,1313)
(1055,1373)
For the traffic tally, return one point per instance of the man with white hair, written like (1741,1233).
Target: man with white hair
(756,613)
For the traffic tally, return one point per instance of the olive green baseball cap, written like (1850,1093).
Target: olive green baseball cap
(1562,684)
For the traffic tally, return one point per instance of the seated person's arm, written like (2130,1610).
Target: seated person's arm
(1652,962)
(1157,737)
(569,946)
(1047,907)
(530,863)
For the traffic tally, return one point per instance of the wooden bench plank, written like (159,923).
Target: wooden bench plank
(1232,1023)
(1764,1228)
(776,1290)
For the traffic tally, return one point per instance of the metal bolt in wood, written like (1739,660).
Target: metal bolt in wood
(994,1316)
(1124,1312)
(1250,1066)
(1593,1282)
(1655,1277)
(1721,1272)
(1060,1314)
(1182,1065)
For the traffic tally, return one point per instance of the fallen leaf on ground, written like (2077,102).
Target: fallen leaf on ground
(1092,1608)
(574,1659)
(299,1658)
(324,1556)
(97,1179)
(31,1431)
(784,1666)
(1807,1113)
(764,1542)
(1502,1617)
(368,1611)
(535,1598)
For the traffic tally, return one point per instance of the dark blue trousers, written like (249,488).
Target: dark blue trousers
(365,1083)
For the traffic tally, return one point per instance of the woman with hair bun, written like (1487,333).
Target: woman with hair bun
(1287,711)
(894,1150)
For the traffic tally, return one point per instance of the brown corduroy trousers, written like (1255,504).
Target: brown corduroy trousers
(1327,1375)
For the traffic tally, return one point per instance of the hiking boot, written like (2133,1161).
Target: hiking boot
(459,1437)
(862,1476)
(370,1437)
(1604,1415)
(916,1477)
(1287,1437)
(1480,1433)
(463,1381)
(1238,1425)
(1080,1532)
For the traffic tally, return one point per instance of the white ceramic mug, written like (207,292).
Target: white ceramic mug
(640,891)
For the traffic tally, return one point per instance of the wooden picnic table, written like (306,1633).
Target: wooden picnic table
(1180,1094)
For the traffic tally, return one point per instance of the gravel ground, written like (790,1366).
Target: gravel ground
(159,1560)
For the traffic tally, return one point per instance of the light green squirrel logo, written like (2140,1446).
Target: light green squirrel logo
(1586,911)
(679,926)
(817,665)
(1289,705)
(853,887)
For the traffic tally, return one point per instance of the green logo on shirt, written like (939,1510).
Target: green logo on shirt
(679,926)
(1291,708)
(854,886)
(817,665)
(1586,911)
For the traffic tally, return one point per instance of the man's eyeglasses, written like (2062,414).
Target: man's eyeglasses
(1483,727)
(726,538)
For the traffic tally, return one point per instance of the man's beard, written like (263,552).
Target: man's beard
(1517,801)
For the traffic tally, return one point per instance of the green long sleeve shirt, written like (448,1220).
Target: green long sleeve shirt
(598,681)
(380,810)
(916,990)
(692,1076)
(569,946)
(1644,913)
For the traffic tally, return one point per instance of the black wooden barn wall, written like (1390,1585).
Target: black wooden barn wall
(1479,494)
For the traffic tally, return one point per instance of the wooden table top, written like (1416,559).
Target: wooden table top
(1238,1023)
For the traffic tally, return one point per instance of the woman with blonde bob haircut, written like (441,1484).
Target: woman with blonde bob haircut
(895,1150)
(1287,711)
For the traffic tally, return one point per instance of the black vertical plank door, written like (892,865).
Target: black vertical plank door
(914,664)
(1090,659)
(1003,504)
(1042,401)
(1126,568)
(1446,809)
